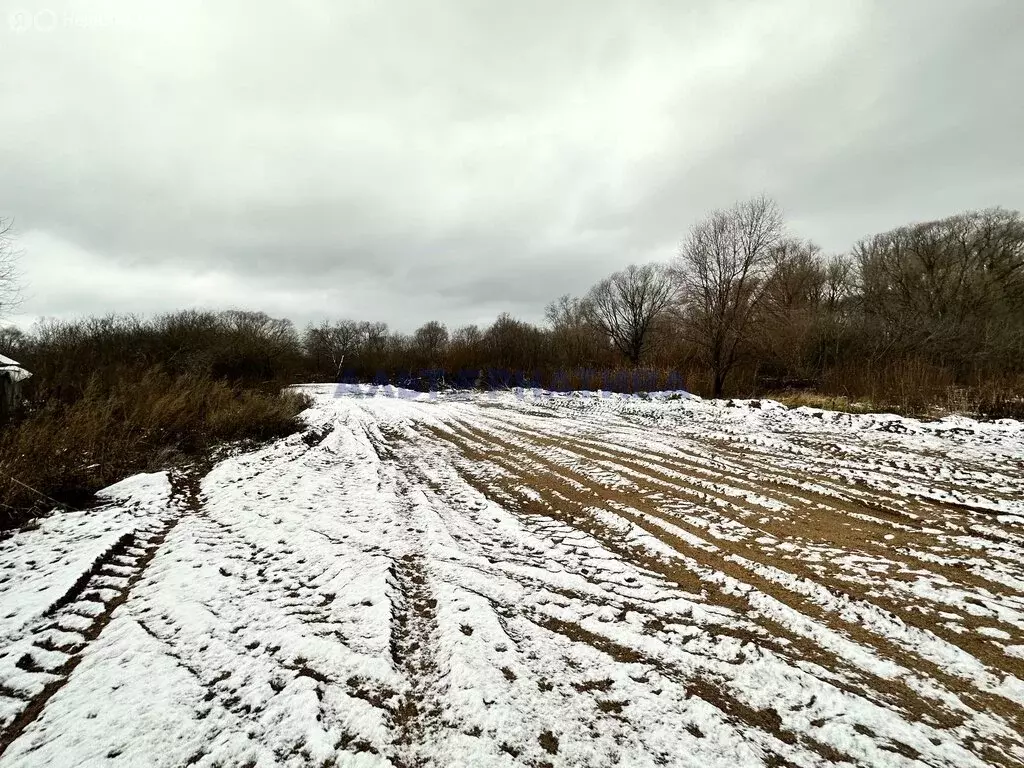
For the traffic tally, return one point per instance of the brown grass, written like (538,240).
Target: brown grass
(144,422)
(795,399)
(908,387)
(916,388)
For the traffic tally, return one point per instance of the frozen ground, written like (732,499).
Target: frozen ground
(478,580)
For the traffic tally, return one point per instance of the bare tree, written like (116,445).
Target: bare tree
(575,340)
(258,325)
(795,279)
(431,342)
(10,295)
(720,271)
(514,345)
(802,313)
(333,342)
(374,333)
(376,340)
(626,305)
(12,339)
(951,290)
(468,336)
(465,346)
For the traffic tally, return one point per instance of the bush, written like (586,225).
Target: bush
(68,451)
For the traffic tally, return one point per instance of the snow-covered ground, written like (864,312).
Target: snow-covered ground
(526,579)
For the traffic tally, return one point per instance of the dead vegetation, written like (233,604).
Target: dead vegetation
(113,396)
(65,452)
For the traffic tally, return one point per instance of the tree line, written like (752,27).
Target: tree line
(747,307)
(744,307)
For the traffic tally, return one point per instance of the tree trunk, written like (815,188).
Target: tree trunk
(718,382)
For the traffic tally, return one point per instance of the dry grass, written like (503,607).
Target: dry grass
(818,400)
(910,390)
(908,387)
(146,421)
(986,403)
(917,388)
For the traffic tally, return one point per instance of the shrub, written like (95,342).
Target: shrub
(66,452)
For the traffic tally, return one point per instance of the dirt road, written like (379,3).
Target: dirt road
(503,580)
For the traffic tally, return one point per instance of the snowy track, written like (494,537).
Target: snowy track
(538,581)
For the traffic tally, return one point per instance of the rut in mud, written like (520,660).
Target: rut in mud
(537,581)
(77,617)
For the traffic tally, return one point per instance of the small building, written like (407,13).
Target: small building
(11,376)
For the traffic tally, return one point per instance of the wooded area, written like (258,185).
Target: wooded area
(744,308)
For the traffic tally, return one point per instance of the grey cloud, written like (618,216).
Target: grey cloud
(454,159)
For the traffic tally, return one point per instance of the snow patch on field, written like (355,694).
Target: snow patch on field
(529,578)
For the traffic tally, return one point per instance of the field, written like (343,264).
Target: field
(520,579)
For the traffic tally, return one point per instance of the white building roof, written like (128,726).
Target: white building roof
(13,369)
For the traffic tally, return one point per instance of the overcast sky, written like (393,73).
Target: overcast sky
(404,160)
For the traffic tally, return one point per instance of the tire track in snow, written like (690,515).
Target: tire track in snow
(824,523)
(777,740)
(637,472)
(522,451)
(413,625)
(708,688)
(705,689)
(78,617)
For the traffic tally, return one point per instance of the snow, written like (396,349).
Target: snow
(13,369)
(535,578)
